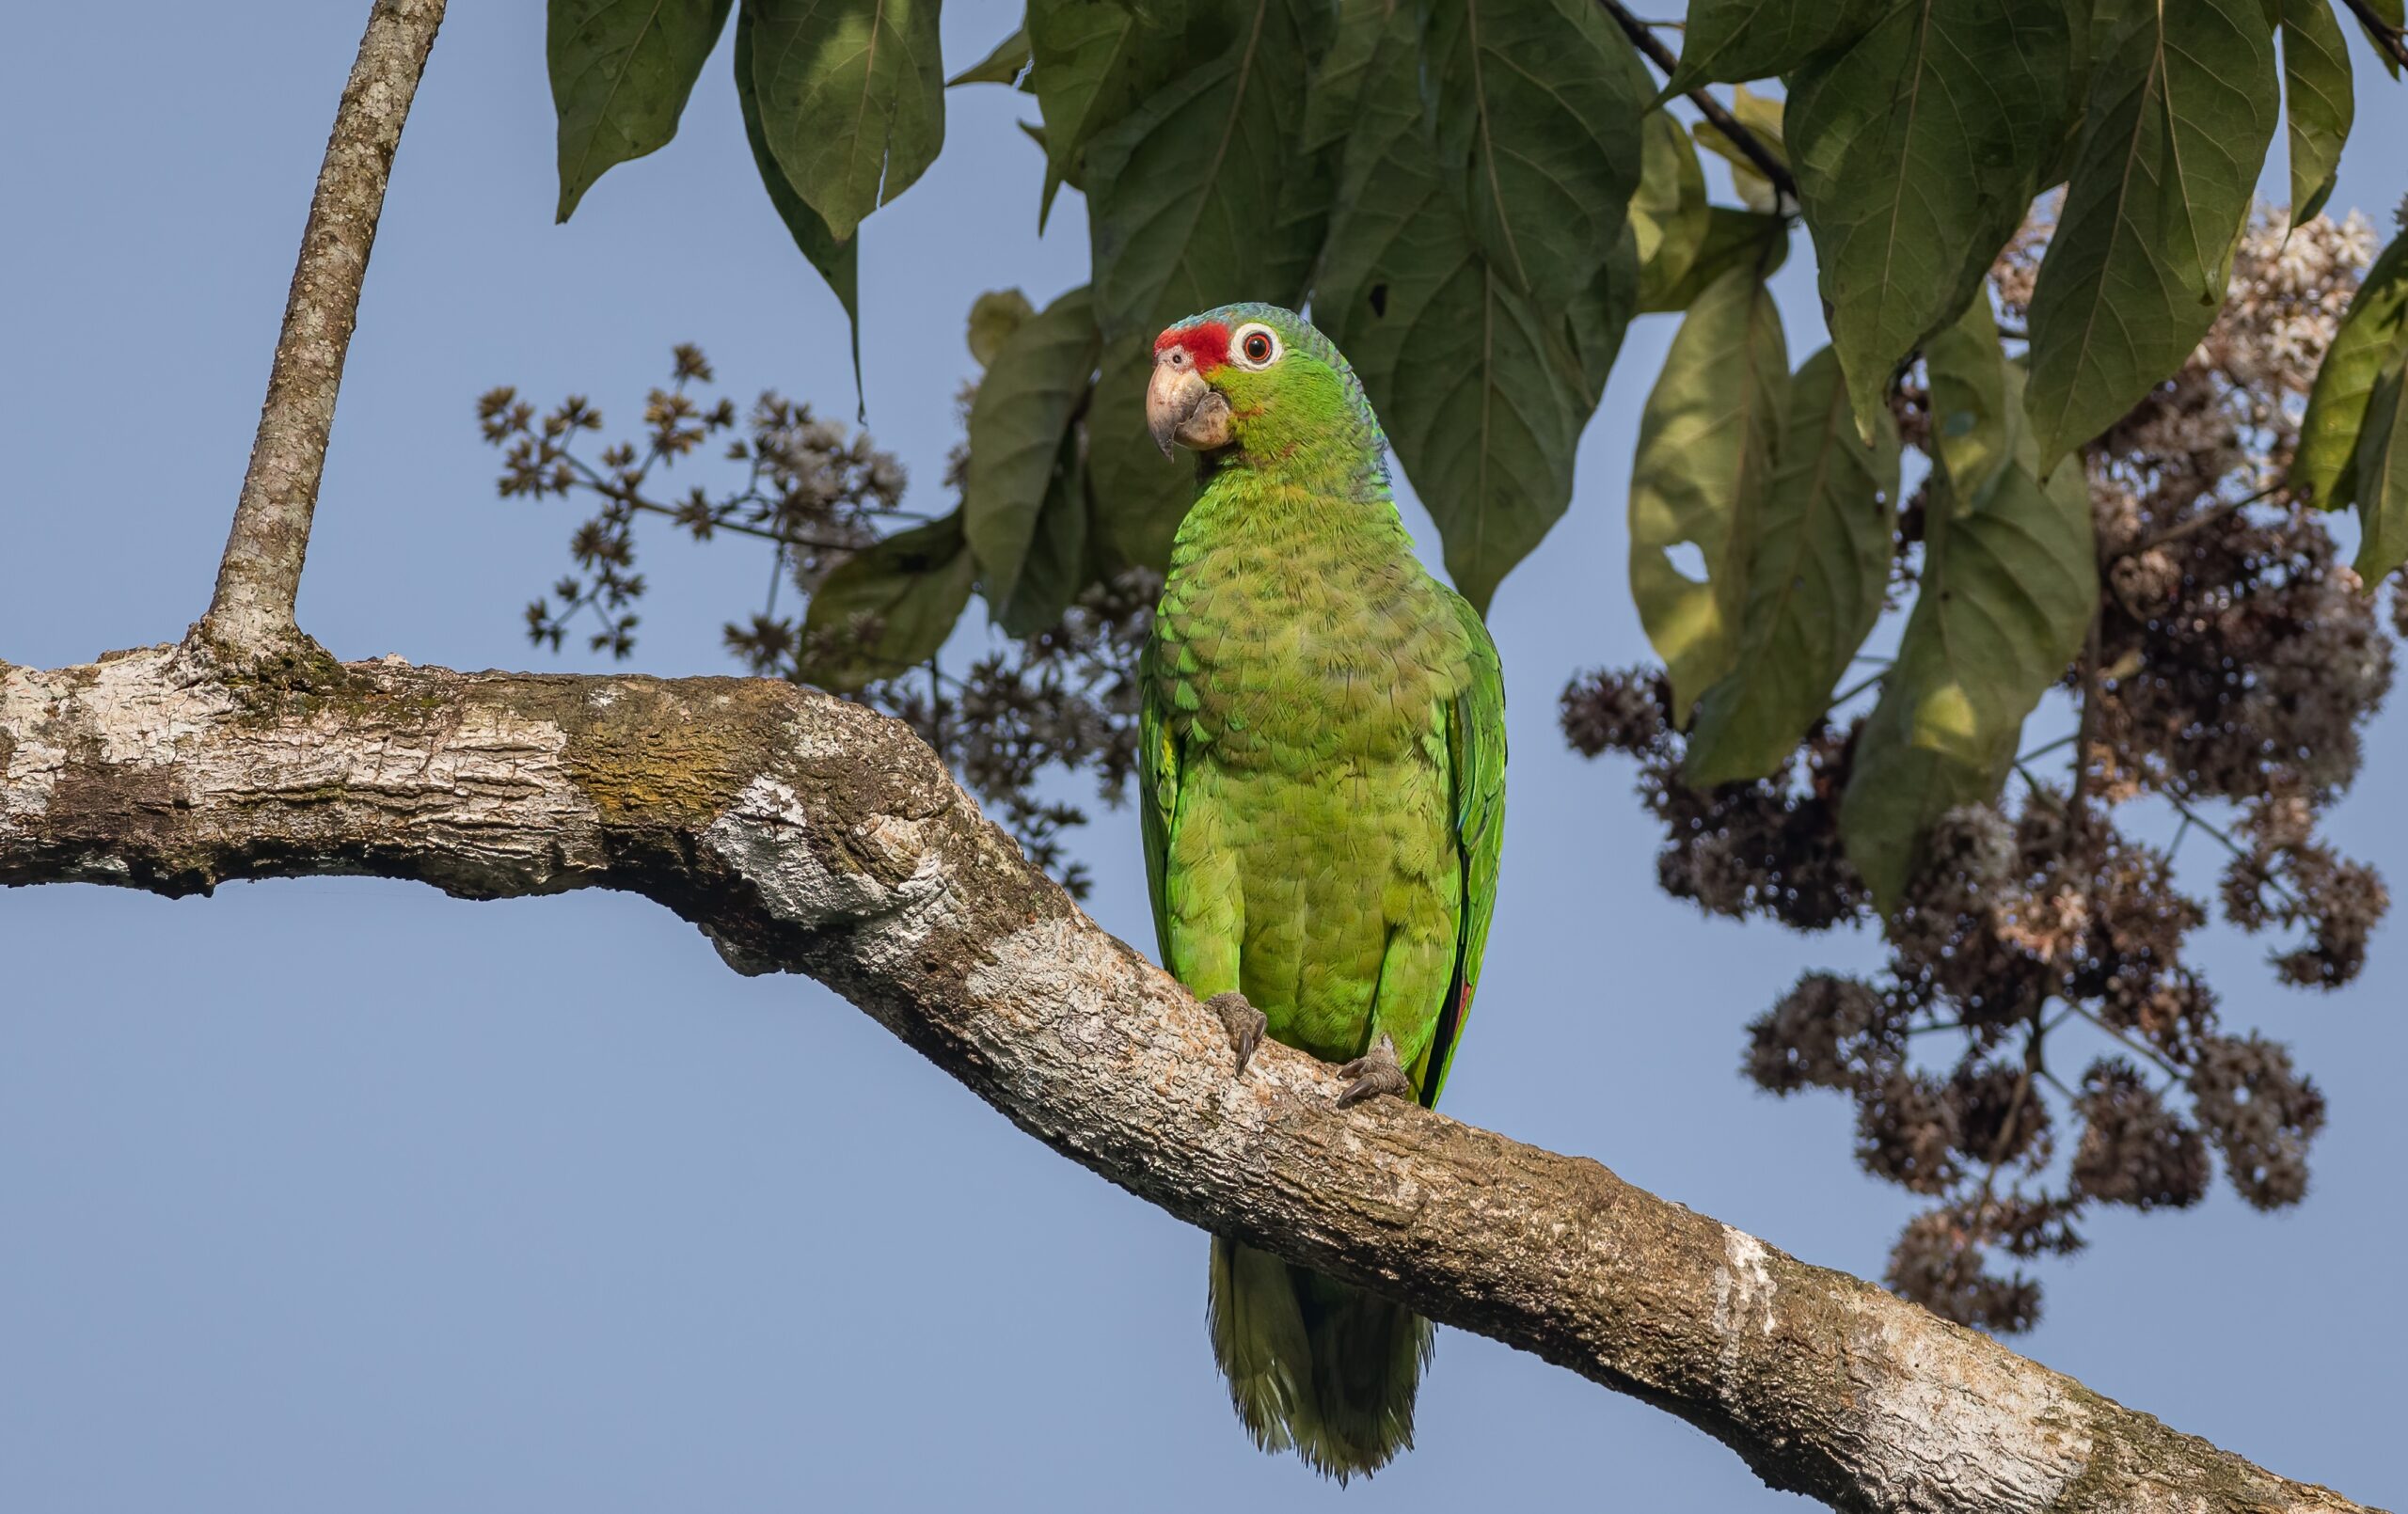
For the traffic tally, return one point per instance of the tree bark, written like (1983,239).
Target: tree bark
(805,834)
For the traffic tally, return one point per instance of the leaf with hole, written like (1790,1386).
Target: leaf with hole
(1815,581)
(1704,462)
(621,72)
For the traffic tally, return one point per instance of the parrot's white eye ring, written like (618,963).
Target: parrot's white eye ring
(1254,345)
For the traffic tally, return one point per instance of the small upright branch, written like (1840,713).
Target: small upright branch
(1763,157)
(251,612)
(2381,32)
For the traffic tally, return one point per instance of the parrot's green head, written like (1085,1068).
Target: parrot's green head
(1256,384)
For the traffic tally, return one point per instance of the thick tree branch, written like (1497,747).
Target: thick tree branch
(259,577)
(806,834)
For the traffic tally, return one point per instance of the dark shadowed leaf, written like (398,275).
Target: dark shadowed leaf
(2182,107)
(2374,331)
(1481,392)
(839,262)
(1731,41)
(2009,585)
(1183,194)
(2317,102)
(1055,567)
(1025,408)
(908,591)
(1815,583)
(1703,462)
(1098,60)
(852,99)
(994,317)
(1140,495)
(1977,424)
(1536,114)
(2382,480)
(1732,239)
(621,72)
(1667,212)
(1005,65)
(1918,150)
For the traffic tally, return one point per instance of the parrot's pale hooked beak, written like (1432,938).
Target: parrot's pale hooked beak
(1180,407)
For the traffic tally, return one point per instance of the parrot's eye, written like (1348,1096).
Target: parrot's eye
(1258,346)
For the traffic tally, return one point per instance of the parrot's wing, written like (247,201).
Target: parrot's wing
(1157,795)
(1475,731)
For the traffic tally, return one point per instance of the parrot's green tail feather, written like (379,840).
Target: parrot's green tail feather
(1315,1366)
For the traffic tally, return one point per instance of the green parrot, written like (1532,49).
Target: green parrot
(1323,765)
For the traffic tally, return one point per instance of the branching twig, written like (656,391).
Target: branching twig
(1765,161)
(251,612)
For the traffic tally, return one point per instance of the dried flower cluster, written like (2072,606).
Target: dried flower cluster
(2235,660)
(816,492)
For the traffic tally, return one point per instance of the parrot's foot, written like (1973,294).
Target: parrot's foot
(1374,1072)
(1244,1023)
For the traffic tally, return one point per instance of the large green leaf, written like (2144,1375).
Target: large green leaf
(621,72)
(2317,102)
(1098,60)
(1977,424)
(1703,463)
(852,99)
(1183,194)
(1918,148)
(2009,584)
(839,262)
(1668,211)
(1056,566)
(1732,239)
(2182,107)
(1731,41)
(2383,479)
(1140,495)
(1023,409)
(1536,106)
(1482,392)
(906,593)
(1814,585)
(2374,331)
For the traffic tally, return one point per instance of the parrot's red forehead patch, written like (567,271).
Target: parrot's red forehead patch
(1207,344)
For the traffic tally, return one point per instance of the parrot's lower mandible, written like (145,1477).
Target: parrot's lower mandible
(1322,761)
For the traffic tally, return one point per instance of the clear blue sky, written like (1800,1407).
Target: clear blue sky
(344,1195)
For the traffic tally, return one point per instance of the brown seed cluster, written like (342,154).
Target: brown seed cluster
(2235,662)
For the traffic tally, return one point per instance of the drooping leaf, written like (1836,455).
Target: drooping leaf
(1140,495)
(1977,424)
(2318,101)
(994,317)
(2374,331)
(1098,60)
(1023,409)
(1732,239)
(1815,583)
(2009,585)
(852,99)
(621,72)
(1536,110)
(1183,194)
(1055,567)
(1732,41)
(2182,107)
(1668,211)
(839,262)
(908,591)
(1005,65)
(1483,393)
(1918,150)
(1703,462)
(2381,486)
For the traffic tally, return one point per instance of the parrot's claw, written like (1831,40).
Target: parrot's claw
(1374,1072)
(1244,1023)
